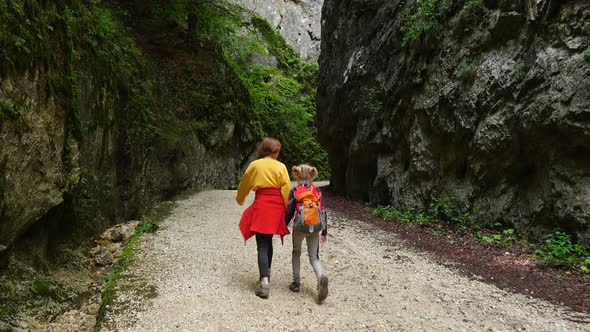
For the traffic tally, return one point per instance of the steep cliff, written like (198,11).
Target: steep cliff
(298,21)
(95,129)
(485,99)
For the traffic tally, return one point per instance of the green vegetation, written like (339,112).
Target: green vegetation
(451,216)
(468,72)
(70,38)
(9,109)
(110,279)
(504,239)
(42,287)
(558,251)
(392,213)
(519,72)
(423,20)
(375,100)
(469,15)
(283,97)
(148,224)
(451,209)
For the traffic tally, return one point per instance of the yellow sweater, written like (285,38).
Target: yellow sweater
(264,173)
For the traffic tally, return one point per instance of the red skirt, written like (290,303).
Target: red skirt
(266,215)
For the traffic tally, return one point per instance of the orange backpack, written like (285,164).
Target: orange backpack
(310,216)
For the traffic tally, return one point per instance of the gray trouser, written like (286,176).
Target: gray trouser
(313,250)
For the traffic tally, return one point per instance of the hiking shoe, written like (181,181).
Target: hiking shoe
(295,287)
(263,290)
(322,289)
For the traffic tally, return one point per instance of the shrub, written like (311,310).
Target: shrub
(505,239)
(558,251)
(283,97)
(585,267)
(421,20)
(9,109)
(42,287)
(451,209)
(392,213)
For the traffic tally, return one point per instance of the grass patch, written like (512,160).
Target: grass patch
(42,287)
(148,224)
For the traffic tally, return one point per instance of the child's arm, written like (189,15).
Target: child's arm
(290,206)
(323,207)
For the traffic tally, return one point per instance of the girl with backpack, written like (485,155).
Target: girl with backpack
(269,179)
(307,208)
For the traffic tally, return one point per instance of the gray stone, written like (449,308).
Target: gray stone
(116,234)
(514,138)
(102,256)
(32,178)
(298,21)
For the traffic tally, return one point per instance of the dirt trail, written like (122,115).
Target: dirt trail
(195,273)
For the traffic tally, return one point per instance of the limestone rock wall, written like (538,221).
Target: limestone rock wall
(497,111)
(68,173)
(297,20)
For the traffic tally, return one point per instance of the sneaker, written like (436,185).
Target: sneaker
(295,287)
(263,290)
(322,289)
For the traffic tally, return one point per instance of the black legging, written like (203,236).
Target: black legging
(264,245)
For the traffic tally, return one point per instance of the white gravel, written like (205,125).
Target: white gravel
(204,277)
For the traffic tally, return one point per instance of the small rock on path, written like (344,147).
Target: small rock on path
(204,278)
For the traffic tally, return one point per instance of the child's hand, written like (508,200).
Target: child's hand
(324,239)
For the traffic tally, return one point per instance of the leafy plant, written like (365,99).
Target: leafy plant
(42,287)
(505,239)
(451,209)
(375,100)
(468,71)
(421,20)
(585,267)
(423,219)
(283,97)
(558,250)
(391,213)
(146,227)
(10,109)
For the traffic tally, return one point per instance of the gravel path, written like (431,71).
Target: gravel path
(196,274)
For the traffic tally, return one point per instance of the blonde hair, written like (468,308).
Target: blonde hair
(267,147)
(304,173)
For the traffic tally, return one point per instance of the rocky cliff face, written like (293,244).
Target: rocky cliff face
(494,105)
(69,172)
(297,20)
